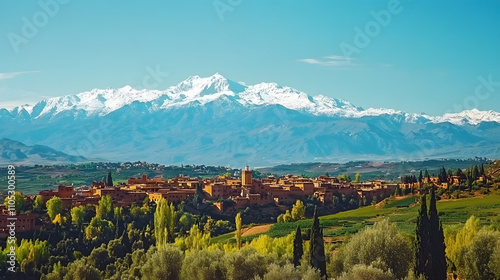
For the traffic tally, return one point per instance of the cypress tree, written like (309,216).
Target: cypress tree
(444,175)
(437,246)
(422,241)
(198,196)
(420,177)
(481,170)
(427,176)
(298,251)
(317,246)
(125,240)
(475,172)
(110,180)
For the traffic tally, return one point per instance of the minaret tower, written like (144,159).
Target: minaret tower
(246,176)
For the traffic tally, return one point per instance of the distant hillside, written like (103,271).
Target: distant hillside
(14,152)
(370,170)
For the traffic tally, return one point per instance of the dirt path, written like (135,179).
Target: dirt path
(256,230)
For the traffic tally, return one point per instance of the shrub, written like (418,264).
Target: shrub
(204,265)
(363,272)
(381,244)
(166,263)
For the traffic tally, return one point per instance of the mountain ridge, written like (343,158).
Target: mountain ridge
(199,91)
(216,121)
(15,152)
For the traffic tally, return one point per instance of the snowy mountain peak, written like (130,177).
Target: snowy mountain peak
(198,86)
(473,117)
(198,91)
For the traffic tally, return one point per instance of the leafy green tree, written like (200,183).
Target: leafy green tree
(80,270)
(298,211)
(18,201)
(164,222)
(380,245)
(116,249)
(357,177)
(209,226)
(104,208)
(298,250)
(166,263)
(344,177)
(196,240)
(361,271)
(457,240)
(99,258)
(187,221)
(54,207)
(245,264)
(78,215)
(280,219)
(205,265)
(38,204)
(495,261)
(477,260)
(98,228)
(317,246)
(288,272)
(238,230)
(287,217)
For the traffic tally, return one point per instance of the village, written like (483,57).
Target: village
(244,192)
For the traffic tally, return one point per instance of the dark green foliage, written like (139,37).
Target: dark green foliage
(198,196)
(110,180)
(422,241)
(317,246)
(99,258)
(436,236)
(298,250)
(80,270)
(475,172)
(426,175)
(165,263)
(430,246)
(443,176)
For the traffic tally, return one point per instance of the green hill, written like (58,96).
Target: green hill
(402,212)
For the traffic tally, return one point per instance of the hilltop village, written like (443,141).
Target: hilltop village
(242,192)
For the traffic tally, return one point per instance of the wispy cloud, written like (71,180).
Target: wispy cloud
(331,61)
(11,75)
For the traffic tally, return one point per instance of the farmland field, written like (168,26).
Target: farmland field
(402,212)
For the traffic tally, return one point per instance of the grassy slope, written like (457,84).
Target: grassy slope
(337,226)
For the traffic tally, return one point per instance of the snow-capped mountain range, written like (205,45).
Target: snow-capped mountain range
(214,120)
(200,91)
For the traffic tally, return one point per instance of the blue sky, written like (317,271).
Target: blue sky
(428,57)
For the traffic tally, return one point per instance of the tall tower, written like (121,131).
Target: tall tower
(246,176)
